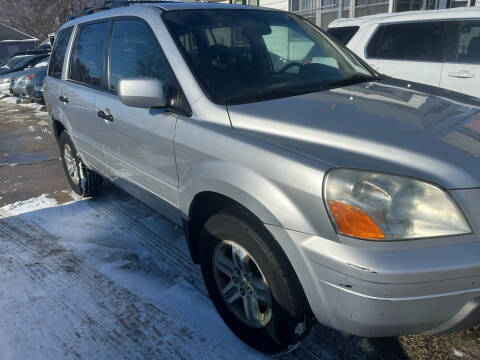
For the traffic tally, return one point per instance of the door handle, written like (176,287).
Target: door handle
(462,74)
(102,115)
(63,99)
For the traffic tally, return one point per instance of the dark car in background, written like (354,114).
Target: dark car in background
(21,62)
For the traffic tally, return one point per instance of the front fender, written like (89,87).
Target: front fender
(261,196)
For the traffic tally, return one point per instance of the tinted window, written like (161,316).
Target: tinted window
(467,49)
(414,41)
(343,34)
(134,51)
(88,54)
(58,53)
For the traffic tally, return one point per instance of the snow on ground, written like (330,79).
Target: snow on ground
(20,207)
(111,279)
(40,109)
(103,279)
(458,353)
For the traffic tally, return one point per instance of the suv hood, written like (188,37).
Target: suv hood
(388,125)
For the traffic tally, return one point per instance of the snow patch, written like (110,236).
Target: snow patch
(458,353)
(39,108)
(24,206)
(134,248)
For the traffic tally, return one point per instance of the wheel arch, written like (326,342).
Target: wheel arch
(206,203)
(58,129)
(213,186)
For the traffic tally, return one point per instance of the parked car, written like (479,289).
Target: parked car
(28,84)
(309,186)
(439,47)
(21,62)
(42,49)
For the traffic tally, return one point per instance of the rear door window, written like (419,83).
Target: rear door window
(467,42)
(343,34)
(88,54)
(58,53)
(421,41)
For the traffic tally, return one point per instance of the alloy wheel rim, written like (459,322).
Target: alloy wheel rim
(242,284)
(71,164)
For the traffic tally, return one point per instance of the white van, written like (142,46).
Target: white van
(439,47)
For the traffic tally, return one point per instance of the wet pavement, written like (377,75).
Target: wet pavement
(29,163)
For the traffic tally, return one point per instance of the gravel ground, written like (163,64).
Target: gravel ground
(109,278)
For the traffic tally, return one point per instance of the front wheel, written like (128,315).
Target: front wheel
(83,181)
(251,282)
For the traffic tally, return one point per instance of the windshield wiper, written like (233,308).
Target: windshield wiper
(351,80)
(284,92)
(262,95)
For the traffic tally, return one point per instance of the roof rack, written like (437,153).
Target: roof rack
(111,4)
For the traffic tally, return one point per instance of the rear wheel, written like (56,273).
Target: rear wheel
(251,282)
(83,181)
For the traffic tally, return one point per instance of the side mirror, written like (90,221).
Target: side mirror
(141,92)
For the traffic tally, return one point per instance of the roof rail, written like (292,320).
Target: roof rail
(111,4)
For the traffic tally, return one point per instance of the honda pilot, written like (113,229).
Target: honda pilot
(310,187)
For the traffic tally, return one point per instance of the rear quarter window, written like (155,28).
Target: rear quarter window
(58,53)
(343,34)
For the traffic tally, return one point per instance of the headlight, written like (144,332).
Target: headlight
(377,206)
(6,81)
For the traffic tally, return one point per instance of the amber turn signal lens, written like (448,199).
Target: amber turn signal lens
(352,221)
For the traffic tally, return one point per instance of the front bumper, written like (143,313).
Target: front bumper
(377,309)
(28,92)
(379,289)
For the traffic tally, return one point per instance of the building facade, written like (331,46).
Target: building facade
(322,12)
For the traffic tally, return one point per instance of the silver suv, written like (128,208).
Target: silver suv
(309,186)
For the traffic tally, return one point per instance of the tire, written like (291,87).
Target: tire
(83,181)
(282,319)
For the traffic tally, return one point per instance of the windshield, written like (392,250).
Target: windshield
(17,62)
(11,62)
(241,56)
